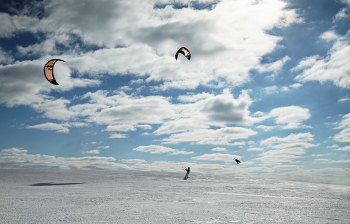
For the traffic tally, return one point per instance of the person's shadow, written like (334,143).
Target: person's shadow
(52,184)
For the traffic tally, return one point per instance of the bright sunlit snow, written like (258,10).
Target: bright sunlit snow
(51,196)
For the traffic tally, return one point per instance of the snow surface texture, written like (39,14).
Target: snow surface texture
(75,196)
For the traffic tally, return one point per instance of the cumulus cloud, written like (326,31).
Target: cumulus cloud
(265,127)
(19,158)
(50,126)
(296,85)
(291,117)
(255,149)
(274,67)
(329,36)
(95,151)
(343,135)
(211,110)
(221,136)
(219,149)
(194,97)
(342,14)
(11,25)
(158,149)
(276,89)
(122,109)
(344,148)
(116,135)
(287,149)
(5,57)
(270,89)
(305,63)
(133,161)
(150,39)
(333,68)
(217,157)
(103,147)
(123,128)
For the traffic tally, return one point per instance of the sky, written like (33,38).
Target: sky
(268,83)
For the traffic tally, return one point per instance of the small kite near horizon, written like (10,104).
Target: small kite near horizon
(48,71)
(185,52)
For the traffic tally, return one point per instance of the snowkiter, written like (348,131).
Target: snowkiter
(188,171)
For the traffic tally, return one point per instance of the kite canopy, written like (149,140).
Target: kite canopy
(48,71)
(185,52)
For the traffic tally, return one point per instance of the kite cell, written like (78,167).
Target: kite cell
(48,71)
(185,52)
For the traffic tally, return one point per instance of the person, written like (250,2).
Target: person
(188,171)
(237,161)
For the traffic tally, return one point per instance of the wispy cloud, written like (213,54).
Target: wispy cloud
(95,151)
(50,126)
(333,68)
(157,149)
(217,157)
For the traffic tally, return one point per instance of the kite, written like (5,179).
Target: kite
(48,71)
(185,52)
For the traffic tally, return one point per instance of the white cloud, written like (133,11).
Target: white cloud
(51,127)
(194,97)
(123,109)
(332,161)
(14,24)
(14,158)
(333,68)
(270,89)
(265,127)
(5,57)
(134,161)
(284,88)
(221,136)
(306,63)
(342,14)
(275,89)
(329,36)
(287,149)
(116,135)
(78,124)
(217,157)
(296,85)
(212,110)
(144,126)
(219,149)
(158,149)
(290,117)
(20,85)
(103,147)
(344,135)
(95,151)
(344,99)
(240,40)
(123,128)
(292,138)
(344,148)
(255,149)
(274,67)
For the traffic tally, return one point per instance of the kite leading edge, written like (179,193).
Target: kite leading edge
(48,71)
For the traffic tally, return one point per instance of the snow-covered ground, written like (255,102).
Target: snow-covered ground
(73,196)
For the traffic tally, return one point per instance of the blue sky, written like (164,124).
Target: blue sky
(268,83)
